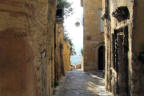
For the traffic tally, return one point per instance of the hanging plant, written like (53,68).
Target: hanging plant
(66,6)
(63,4)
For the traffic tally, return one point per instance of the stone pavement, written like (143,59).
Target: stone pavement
(77,83)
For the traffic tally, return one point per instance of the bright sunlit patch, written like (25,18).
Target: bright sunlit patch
(75,32)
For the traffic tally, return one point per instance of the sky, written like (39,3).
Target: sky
(74,32)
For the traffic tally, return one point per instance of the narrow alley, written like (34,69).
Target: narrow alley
(77,83)
(71,48)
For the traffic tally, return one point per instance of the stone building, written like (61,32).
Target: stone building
(124,46)
(66,56)
(62,49)
(59,69)
(27,47)
(93,35)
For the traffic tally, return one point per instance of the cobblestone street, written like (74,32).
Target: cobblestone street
(77,83)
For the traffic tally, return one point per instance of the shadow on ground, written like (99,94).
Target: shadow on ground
(77,83)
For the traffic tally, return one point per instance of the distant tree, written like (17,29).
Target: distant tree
(82,51)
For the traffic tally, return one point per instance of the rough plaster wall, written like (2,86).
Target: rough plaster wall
(62,52)
(17,45)
(16,67)
(50,46)
(107,37)
(66,56)
(93,38)
(25,39)
(58,60)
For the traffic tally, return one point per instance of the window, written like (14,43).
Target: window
(101,21)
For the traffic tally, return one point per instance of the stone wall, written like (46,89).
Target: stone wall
(62,52)
(51,23)
(82,63)
(58,51)
(123,28)
(66,56)
(93,37)
(26,47)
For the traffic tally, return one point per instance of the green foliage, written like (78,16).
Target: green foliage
(56,83)
(63,4)
(66,38)
(82,52)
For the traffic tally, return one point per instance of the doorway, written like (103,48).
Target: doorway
(121,48)
(101,58)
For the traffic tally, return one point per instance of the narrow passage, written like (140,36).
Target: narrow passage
(77,83)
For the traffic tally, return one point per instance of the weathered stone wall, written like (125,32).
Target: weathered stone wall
(66,56)
(107,37)
(118,68)
(62,52)
(58,51)
(78,66)
(82,63)
(93,38)
(51,23)
(25,47)
(114,76)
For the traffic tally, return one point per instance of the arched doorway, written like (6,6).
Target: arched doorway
(101,58)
